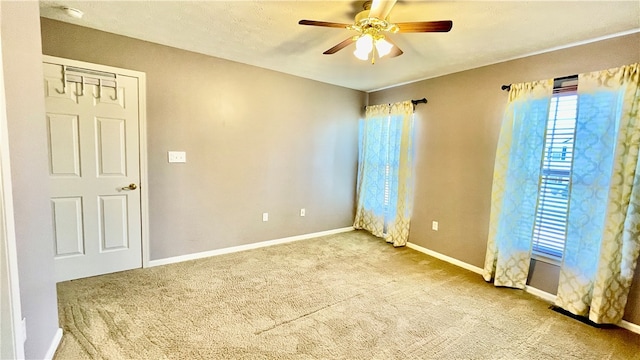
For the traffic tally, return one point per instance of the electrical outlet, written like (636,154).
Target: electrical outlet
(303,212)
(434,225)
(265,216)
(177,156)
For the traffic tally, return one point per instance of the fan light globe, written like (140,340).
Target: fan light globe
(383,47)
(364,43)
(362,55)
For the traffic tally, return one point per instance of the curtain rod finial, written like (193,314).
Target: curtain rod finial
(420,101)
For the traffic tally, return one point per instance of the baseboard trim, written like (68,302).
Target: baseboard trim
(552,299)
(233,249)
(446,258)
(629,326)
(541,294)
(55,342)
(529,289)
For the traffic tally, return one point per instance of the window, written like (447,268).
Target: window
(385,161)
(550,225)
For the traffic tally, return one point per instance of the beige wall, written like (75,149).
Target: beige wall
(256,141)
(457,133)
(22,69)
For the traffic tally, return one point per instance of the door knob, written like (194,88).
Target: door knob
(131,186)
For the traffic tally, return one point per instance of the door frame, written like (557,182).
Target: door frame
(142,138)
(12,333)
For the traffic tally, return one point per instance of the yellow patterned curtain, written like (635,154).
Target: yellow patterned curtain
(385,172)
(603,233)
(515,184)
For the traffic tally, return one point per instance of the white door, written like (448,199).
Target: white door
(94,170)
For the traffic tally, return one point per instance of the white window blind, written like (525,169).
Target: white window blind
(550,226)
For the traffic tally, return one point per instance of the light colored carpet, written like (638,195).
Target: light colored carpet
(345,296)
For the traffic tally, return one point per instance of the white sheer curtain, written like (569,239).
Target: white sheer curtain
(385,172)
(602,242)
(603,234)
(516,177)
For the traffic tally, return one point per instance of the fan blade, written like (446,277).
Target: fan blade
(381,8)
(425,26)
(323,23)
(339,47)
(395,50)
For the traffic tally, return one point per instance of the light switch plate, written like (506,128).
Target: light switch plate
(177,156)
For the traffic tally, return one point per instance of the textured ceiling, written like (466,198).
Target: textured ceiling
(267,34)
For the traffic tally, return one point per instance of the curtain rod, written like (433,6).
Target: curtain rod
(570,77)
(414,102)
(419,101)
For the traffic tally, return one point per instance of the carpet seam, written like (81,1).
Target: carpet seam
(305,315)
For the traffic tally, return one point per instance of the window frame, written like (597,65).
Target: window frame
(566,86)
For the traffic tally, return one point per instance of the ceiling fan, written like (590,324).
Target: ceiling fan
(373,24)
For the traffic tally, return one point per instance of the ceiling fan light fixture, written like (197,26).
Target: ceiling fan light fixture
(364,46)
(364,43)
(362,55)
(367,43)
(372,24)
(383,47)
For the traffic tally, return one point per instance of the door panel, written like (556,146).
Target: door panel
(67,223)
(111,147)
(64,145)
(113,222)
(93,135)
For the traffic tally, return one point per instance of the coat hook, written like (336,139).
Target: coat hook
(99,89)
(64,80)
(81,87)
(116,89)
